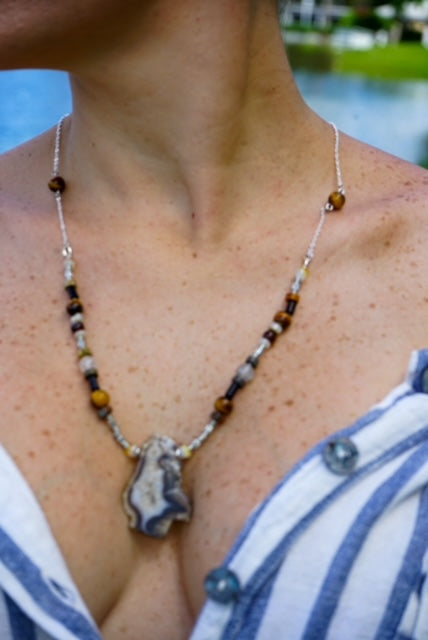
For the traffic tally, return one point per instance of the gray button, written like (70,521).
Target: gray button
(341,456)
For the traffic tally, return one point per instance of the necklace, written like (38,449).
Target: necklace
(154,497)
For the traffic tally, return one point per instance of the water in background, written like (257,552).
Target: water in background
(389,115)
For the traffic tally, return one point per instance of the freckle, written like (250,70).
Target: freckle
(332,318)
(46,432)
(31,454)
(17,407)
(184,283)
(387,243)
(272,408)
(140,405)
(289,402)
(177,399)
(372,305)
(194,254)
(133,369)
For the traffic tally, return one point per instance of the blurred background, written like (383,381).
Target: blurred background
(361,63)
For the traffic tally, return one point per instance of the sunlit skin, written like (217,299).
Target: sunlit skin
(195,176)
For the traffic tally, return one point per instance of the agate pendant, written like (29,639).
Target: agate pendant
(154,497)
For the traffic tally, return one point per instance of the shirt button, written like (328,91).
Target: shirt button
(424,380)
(222,585)
(341,456)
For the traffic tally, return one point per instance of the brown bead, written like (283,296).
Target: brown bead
(57,184)
(283,318)
(74,306)
(223,406)
(100,398)
(292,296)
(270,335)
(336,199)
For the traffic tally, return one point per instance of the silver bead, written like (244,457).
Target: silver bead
(80,337)
(87,363)
(245,373)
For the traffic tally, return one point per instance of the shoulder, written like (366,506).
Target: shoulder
(387,202)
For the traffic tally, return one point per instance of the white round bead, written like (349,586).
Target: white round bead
(245,373)
(275,326)
(78,317)
(86,363)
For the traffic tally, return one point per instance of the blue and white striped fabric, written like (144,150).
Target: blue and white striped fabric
(324,557)
(38,599)
(330,557)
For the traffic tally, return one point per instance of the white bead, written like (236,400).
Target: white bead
(245,373)
(78,317)
(86,363)
(275,326)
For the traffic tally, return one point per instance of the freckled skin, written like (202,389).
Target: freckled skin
(195,175)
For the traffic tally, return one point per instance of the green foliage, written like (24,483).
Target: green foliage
(366,19)
(404,61)
(313,57)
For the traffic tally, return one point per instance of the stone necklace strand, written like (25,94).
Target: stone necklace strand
(154,496)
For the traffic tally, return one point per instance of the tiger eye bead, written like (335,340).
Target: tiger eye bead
(283,318)
(223,405)
(100,398)
(57,184)
(336,199)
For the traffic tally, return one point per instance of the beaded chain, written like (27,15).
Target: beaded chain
(223,405)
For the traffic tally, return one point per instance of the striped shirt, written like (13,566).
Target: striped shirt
(338,551)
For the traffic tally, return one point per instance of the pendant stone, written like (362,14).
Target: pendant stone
(154,497)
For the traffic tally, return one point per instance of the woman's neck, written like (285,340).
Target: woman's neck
(192,106)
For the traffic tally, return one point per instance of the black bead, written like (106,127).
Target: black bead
(72,291)
(233,389)
(291,306)
(92,379)
(254,362)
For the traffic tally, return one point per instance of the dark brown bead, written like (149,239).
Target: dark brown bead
(77,326)
(336,199)
(283,318)
(291,300)
(74,306)
(270,335)
(57,184)
(223,405)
